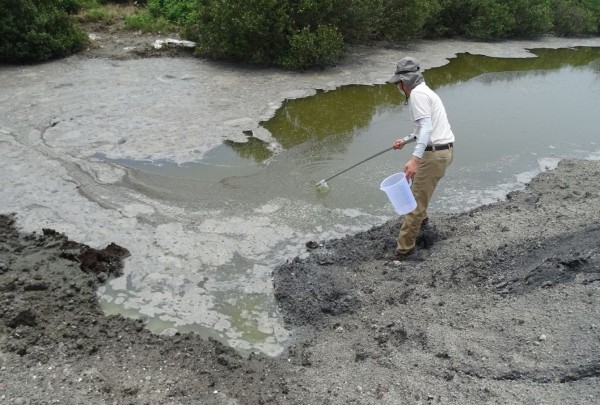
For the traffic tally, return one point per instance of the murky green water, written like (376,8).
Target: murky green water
(336,118)
(511,117)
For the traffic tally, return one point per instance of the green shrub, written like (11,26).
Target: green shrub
(451,18)
(474,19)
(290,34)
(491,20)
(575,17)
(404,20)
(318,48)
(594,7)
(298,33)
(115,1)
(358,21)
(70,6)
(37,30)
(245,30)
(532,18)
(177,11)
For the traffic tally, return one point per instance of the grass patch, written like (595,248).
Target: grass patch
(93,11)
(143,21)
(133,18)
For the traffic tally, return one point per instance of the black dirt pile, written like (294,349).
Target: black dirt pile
(56,345)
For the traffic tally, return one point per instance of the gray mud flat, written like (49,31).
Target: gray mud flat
(500,306)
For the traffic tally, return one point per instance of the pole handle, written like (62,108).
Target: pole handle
(361,162)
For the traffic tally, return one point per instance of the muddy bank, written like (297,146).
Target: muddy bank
(56,346)
(500,306)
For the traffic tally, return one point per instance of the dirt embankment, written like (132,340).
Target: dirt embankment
(500,306)
(115,42)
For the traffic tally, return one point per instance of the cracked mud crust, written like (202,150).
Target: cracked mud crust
(502,307)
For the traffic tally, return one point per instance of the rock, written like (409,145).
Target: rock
(139,325)
(23,317)
(36,286)
(312,245)
(160,43)
(102,277)
(131,390)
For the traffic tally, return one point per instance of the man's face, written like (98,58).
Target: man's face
(401,87)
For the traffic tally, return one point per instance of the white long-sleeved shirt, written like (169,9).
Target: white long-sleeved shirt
(429,117)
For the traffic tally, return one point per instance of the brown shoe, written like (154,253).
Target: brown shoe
(397,256)
(425,223)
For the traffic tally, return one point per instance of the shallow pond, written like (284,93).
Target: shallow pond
(512,118)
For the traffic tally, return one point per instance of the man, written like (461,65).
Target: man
(432,154)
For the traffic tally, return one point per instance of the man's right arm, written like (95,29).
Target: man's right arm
(399,143)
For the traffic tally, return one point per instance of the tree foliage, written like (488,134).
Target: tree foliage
(491,19)
(404,20)
(246,30)
(299,34)
(309,48)
(532,18)
(37,30)
(177,11)
(576,17)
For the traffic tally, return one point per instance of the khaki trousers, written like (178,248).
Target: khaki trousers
(431,169)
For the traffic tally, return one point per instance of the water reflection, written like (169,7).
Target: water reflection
(334,118)
(253,149)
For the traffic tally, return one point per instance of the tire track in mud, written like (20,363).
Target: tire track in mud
(85,175)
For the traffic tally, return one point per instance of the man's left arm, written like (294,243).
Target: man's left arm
(425,128)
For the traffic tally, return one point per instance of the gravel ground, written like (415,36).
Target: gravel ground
(500,306)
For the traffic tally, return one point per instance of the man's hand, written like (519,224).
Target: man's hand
(398,144)
(410,168)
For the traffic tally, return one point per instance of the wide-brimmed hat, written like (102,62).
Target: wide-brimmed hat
(408,71)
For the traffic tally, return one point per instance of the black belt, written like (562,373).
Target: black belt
(438,147)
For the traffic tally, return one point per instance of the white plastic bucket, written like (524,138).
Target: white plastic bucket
(398,191)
